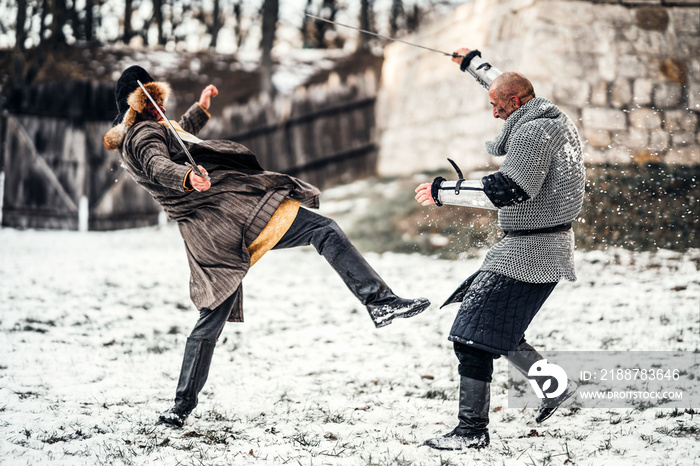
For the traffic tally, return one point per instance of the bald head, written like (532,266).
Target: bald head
(511,84)
(509,92)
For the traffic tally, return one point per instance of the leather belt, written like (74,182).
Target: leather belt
(554,229)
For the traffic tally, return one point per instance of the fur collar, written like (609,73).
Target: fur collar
(137,101)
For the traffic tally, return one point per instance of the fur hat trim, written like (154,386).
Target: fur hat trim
(138,100)
(113,138)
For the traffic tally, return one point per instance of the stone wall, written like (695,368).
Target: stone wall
(627,73)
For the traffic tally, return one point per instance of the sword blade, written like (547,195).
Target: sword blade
(192,163)
(454,55)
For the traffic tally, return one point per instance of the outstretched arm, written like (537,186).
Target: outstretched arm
(471,62)
(205,99)
(467,193)
(491,192)
(198,114)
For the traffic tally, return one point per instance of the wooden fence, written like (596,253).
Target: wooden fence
(324,134)
(58,174)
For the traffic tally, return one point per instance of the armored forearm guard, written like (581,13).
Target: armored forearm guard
(482,71)
(467,193)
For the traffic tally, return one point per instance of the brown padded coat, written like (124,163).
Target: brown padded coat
(216,225)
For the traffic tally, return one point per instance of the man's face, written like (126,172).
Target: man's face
(152,112)
(502,108)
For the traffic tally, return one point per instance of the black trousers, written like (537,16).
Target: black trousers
(308,228)
(473,362)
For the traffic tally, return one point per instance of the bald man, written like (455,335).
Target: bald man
(538,192)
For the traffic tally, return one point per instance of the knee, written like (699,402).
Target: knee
(474,363)
(331,240)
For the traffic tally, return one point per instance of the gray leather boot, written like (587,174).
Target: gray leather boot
(381,303)
(193,375)
(472,430)
(522,360)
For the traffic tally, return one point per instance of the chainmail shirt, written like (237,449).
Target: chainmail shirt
(543,156)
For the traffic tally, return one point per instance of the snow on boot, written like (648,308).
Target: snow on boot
(524,357)
(172,418)
(364,282)
(472,431)
(193,375)
(459,441)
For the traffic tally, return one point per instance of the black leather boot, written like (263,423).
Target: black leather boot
(472,430)
(524,357)
(193,375)
(382,304)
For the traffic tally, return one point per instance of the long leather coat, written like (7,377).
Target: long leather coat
(216,225)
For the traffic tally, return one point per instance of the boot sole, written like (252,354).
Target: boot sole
(169,421)
(404,315)
(541,419)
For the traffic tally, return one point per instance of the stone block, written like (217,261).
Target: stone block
(651,18)
(694,97)
(572,92)
(654,43)
(685,155)
(621,155)
(659,141)
(599,94)
(620,93)
(668,95)
(632,66)
(592,156)
(642,91)
(686,19)
(682,139)
(607,66)
(680,121)
(604,118)
(597,138)
(645,118)
(633,139)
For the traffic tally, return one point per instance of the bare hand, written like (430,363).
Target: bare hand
(208,92)
(197,182)
(461,52)
(424,195)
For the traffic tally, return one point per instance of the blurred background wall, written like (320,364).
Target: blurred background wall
(332,106)
(627,73)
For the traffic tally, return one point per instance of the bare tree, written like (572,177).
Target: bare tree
(238,29)
(413,18)
(315,31)
(43,24)
(89,21)
(59,13)
(395,16)
(158,17)
(213,21)
(21,31)
(270,14)
(128,10)
(366,13)
(217,23)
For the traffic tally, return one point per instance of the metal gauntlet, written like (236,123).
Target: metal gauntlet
(467,193)
(482,71)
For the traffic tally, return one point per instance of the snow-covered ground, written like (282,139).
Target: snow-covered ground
(93,326)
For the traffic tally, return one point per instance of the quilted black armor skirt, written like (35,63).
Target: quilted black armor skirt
(496,310)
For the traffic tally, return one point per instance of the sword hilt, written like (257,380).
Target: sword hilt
(198,172)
